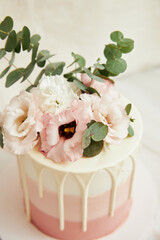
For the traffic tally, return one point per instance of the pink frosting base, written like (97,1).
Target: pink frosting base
(73,230)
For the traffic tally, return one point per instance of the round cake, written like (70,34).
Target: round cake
(87,199)
(75,137)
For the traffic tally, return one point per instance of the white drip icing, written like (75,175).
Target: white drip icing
(84,181)
(132,177)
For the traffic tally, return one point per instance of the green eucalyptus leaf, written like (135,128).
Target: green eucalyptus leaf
(79,59)
(14,76)
(6,26)
(34,51)
(54,68)
(93,149)
(99,66)
(39,77)
(86,138)
(35,39)
(2,52)
(19,38)
(98,131)
(128,108)
(11,41)
(116,66)
(93,90)
(25,38)
(1,138)
(111,51)
(77,70)
(43,55)
(12,58)
(28,70)
(130,131)
(91,75)
(127,49)
(125,42)
(116,36)
(5,71)
(80,85)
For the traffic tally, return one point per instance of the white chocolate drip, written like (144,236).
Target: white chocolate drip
(84,181)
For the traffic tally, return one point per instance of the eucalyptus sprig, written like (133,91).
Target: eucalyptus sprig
(113,66)
(23,41)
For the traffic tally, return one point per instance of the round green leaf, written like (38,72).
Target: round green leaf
(127,49)
(6,26)
(35,39)
(79,59)
(2,52)
(116,36)
(11,41)
(128,108)
(116,66)
(86,138)
(14,76)
(93,149)
(25,38)
(130,131)
(98,131)
(125,42)
(111,51)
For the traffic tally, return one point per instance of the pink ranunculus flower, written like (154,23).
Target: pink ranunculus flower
(61,137)
(102,87)
(20,123)
(111,113)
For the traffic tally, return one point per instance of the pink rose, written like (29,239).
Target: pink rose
(20,123)
(61,137)
(102,87)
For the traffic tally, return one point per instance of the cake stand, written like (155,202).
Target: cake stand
(13,224)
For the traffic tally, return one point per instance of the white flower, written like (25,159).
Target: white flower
(54,94)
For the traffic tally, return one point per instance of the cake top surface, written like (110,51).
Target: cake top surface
(114,155)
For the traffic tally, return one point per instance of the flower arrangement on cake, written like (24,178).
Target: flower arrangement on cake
(68,116)
(73,135)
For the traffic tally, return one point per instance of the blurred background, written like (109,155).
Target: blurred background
(84,27)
